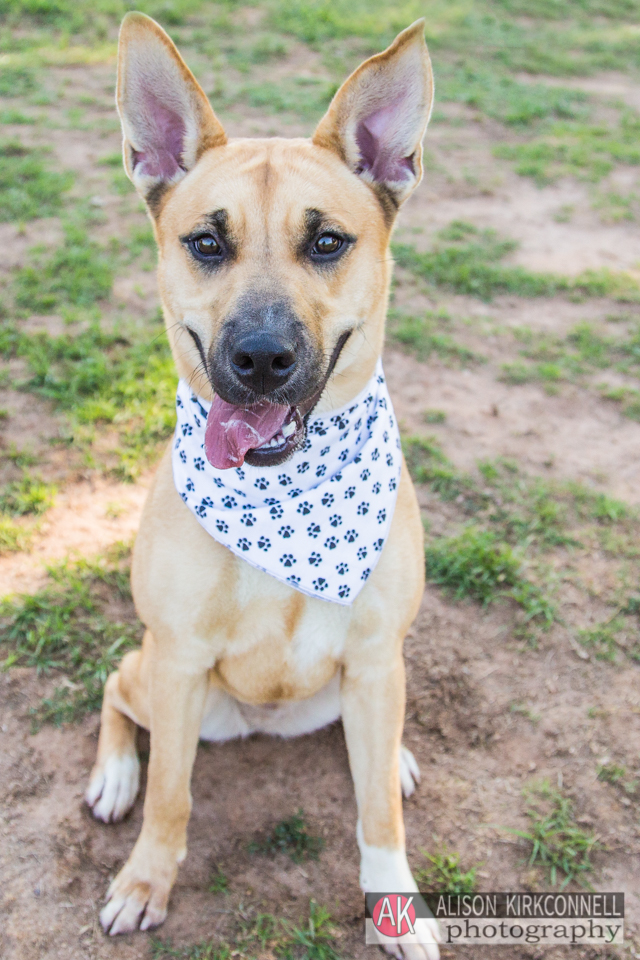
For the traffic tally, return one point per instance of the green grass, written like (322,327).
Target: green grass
(470,263)
(218,883)
(14,536)
(434,416)
(16,81)
(264,935)
(100,378)
(307,97)
(28,495)
(586,151)
(616,775)
(443,873)
(573,358)
(558,845)
(602,640)
(499,96)
(16,116)
(525,511)
(291,837)
(92,19)
(475,564)
(423,337)
(28,188)
(517,520)
(63,628)
(78,273)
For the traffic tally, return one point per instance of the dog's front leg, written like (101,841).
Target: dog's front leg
(138,896)
(373,699)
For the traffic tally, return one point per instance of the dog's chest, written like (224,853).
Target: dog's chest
(283,645)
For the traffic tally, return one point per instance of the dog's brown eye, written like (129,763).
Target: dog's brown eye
(207,246)
(327,243)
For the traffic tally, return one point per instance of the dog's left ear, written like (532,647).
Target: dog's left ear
(167,120)
(378,117)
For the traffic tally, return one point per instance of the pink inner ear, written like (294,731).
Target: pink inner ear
(379,155)
(163,140)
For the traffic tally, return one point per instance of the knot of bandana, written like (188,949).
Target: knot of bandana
(317,522)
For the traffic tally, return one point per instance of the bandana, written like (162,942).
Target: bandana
(317,522)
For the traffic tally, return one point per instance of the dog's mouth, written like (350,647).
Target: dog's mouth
(263,433)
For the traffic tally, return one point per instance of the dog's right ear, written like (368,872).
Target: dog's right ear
(378,117)
(167,121)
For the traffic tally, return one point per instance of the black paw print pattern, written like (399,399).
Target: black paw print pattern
(336,495)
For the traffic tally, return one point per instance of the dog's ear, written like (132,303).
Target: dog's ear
(167,121)
(378,117)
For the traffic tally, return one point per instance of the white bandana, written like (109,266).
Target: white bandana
(320,520)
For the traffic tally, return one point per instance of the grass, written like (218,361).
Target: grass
(266,936)
(28,495)
(499,96)
(525,511)
(503,522)
(291,837)
(218,883)
(560,847)
(475,564)
(551,359)
(14,536)
(28,188)
(64,629)
(586,151)
(467,260)
(16,81)
(434,416)
(423,337)
(98,378)
(602,640)
(443,874)
(78,273)
(615,774)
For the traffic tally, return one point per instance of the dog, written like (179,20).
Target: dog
(274,274)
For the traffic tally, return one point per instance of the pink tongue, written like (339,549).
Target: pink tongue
(231,430)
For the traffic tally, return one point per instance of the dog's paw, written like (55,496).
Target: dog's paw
(429,930)
(137,899)
(409,771)
(418,951)
(113,787)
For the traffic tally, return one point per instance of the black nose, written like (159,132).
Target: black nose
(263,360)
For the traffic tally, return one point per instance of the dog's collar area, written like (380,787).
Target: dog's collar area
(320,521)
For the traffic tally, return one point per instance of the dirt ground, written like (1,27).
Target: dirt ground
(465,667)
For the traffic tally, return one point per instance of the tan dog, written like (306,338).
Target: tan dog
(297,230)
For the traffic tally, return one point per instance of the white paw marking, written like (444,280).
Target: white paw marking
(385,870)
(113,788)
(409,772)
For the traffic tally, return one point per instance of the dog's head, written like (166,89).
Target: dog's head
(273,254)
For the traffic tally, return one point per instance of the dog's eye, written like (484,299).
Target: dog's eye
(206,246)
(327,244)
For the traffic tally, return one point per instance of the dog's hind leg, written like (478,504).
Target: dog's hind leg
(115,778)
